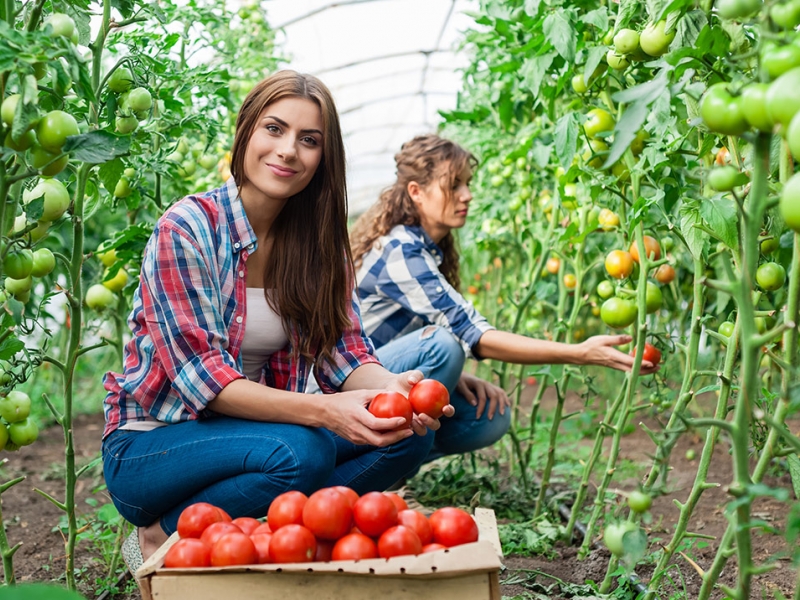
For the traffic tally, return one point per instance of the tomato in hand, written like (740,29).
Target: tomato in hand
(195,518)
(188,553)
(374,513)
(416,521)
(354,546)
(452,527)
(261,543)
(387,405)
(399,541)
(429,397)
(292,543)
(286,509)
(328,514)
(234,548)
(651,354)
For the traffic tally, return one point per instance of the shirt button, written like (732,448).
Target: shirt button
(250,247)
(439,288)
(237,245)
(241,273)
(239,319)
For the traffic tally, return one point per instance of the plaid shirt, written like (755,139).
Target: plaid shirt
(188,320)
(401,290)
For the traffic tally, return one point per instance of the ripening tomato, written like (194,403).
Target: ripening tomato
(429,397)
(188,553)
(570,281)
(665,274)
(416,521)
(553,265)
(247,524)
(261,543)
(354,546)
(399,541)
(213,532)
(292,543)
(235,548)
(196,517)
(619,264)
(398,501)
(453,527)
(652,249)
(651,354)
(387,405)
(374,513)
(328,514)
(349,493)
(286,509)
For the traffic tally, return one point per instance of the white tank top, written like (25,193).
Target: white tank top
(263,334)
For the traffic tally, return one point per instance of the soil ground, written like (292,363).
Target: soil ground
(32,520)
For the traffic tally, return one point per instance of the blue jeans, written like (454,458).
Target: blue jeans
(438,354)
(241,466)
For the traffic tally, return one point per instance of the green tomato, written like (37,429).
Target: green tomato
(726,328)
(770,245)
(125,125)
(8,108)
(496,181)
(771,276)
(43,262)
(783,101)
(140,99)
(614,536)
(108,258)
(690,454)
(754,106)
(579,85)
(130,172)
(626,41)
(24,432)
(61,25)
(605,289)
(618,62)
(793,135)
(653,297)
(207,161)
(18,287)
(3,436)
(16,406)
(776,60)
(598,121)
(44,161)
(597,149)
(117,282)
(40,231)
(98,297)
(654,41)
(737,9)
(54,129)
(618,312)
(121,80)
(667,243)
(637,145)
(25,141)
(790,203)
(39,70)
(183,147)
(786,15)
(639,502)
(722,112)
(122,189)
(723,179)
(56,198)
(18,263)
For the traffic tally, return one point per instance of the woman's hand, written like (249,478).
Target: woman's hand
(478,392)
(349,418)
(403,382)
(599,350)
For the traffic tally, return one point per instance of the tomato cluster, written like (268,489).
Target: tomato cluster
(334,523)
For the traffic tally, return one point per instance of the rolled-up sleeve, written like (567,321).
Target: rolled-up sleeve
(180,300)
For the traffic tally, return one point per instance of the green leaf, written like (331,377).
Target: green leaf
(124,6)
(634,544)
(566,138)
(10,347)
(532,7)
(721,215)
(645,92)
(689,28)
(541,154)
(35,208)
(628,9)
(26,112)
(559,31)
(110,172)
(794,470)
(38,591)
(16,308)
(595,56)
(97,146)
(625,131)
(597,17)
(695,238)
(534,69)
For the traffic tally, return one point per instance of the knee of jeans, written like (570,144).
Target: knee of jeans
(311,460)
(444,356)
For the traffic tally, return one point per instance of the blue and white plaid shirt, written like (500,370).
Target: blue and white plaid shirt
(401,290)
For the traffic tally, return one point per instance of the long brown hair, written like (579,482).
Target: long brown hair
(310,266)
(421,160)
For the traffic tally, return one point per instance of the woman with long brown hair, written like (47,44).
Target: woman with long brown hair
(244,291)
(408,282)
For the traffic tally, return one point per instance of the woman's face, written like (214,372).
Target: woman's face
(439,213)
(284,150)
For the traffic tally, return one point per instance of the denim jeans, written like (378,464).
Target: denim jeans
(241,466)
(438,354)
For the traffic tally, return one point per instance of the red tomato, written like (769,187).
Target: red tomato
(349,493)
(324,550)
(233,549)
(292,543)
(429,397)
(650,354)
(247,524)
(216,530)
(354,546)
(432,548)
(387,405)
(262,528)
(399,541)
(196,517)
(188,552)
(417,522)
(453,527)
(328,514)
(374,513)
(286,509)
(261,542)
(398,501)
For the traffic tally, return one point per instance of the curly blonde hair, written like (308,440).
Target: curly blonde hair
(420,160)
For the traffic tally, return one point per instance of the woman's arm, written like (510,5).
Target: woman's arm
(520,349)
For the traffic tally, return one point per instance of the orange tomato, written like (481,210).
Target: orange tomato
(665,274)
(619,264)
(553,265)
(652,249)
(570,281)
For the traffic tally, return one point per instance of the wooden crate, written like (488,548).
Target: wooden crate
(468,572)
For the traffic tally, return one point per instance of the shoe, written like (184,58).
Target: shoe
(132,553)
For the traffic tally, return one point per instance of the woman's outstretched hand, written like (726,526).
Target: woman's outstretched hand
(479,393)
(600,350)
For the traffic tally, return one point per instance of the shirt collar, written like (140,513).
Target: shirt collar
(430,245)
(242,234)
